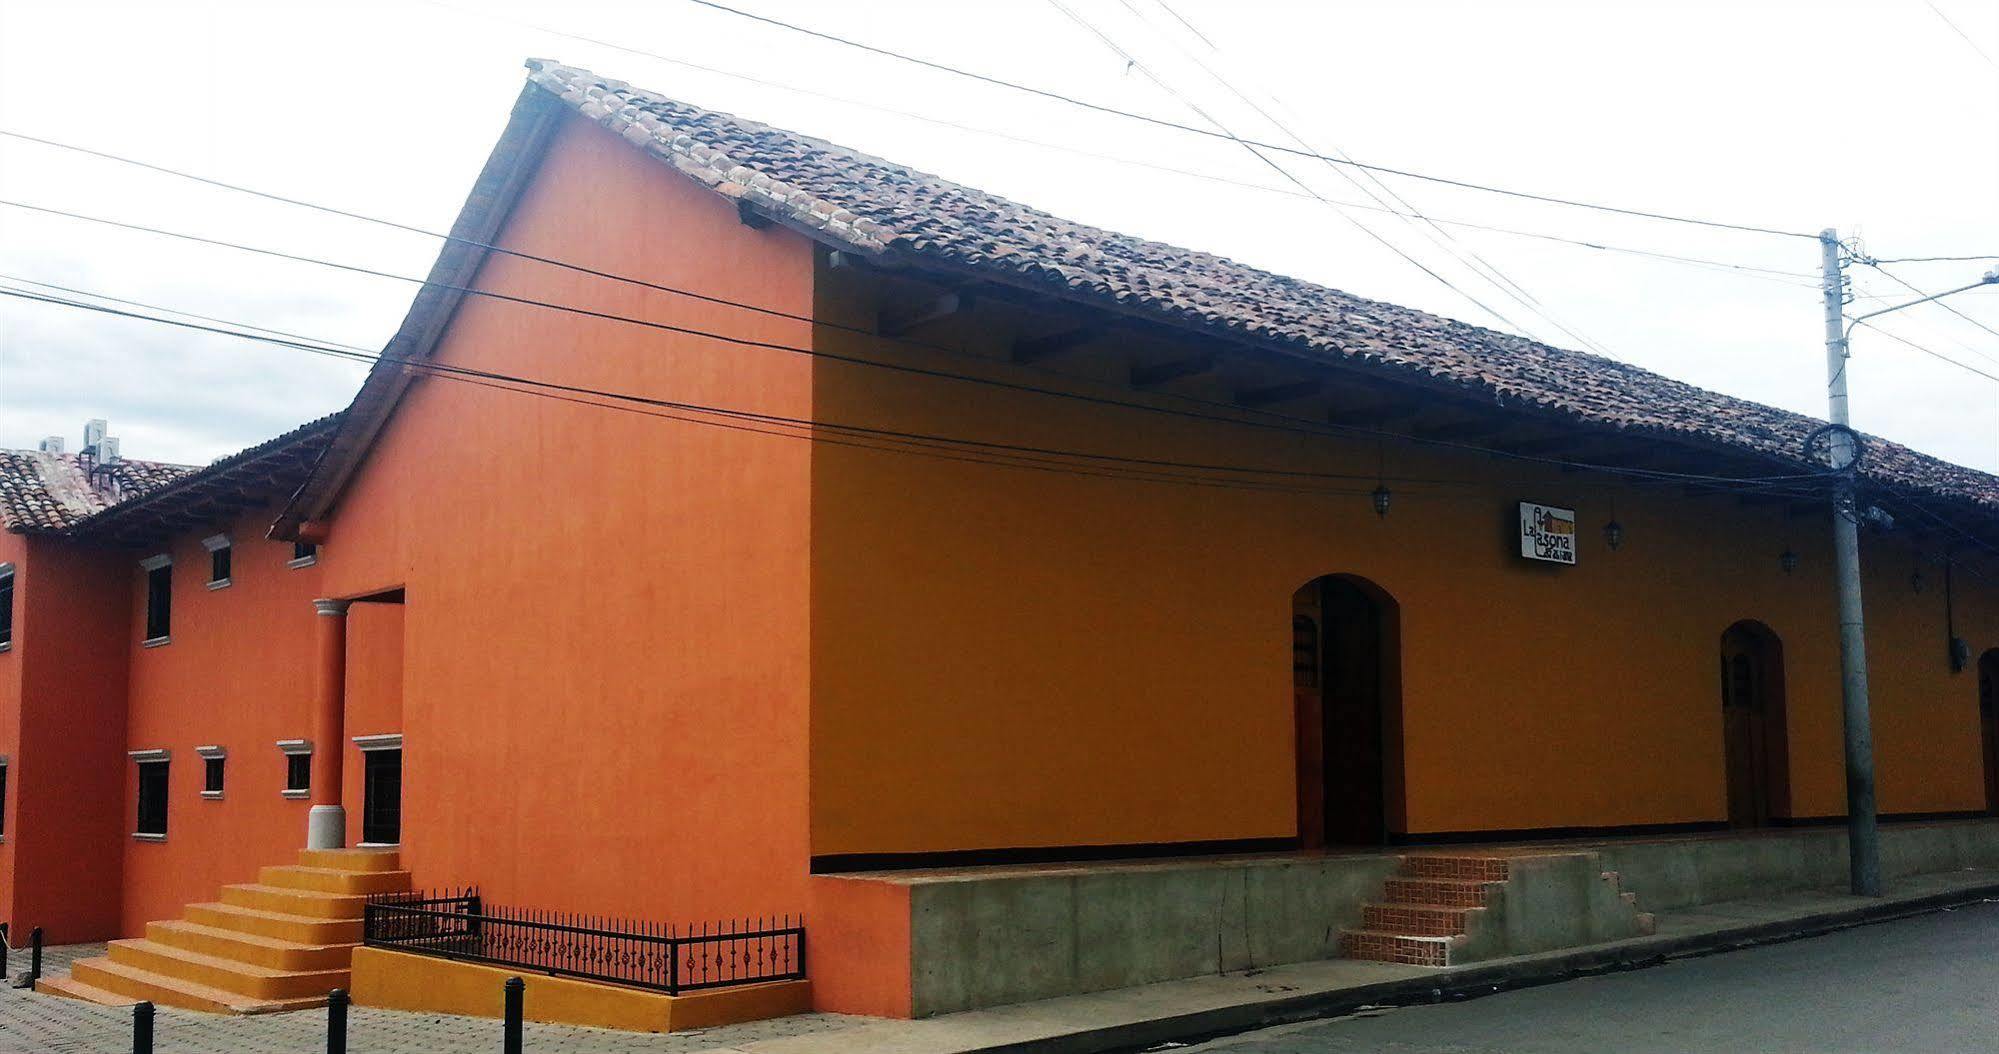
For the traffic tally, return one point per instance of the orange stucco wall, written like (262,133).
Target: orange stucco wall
(237,673)
(604,639)
(64,807)
(1013,658)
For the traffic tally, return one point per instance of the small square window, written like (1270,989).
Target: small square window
(303,554)
(298,772)
(218,566)
(211,776)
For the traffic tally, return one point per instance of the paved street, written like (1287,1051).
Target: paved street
(42,1023)
(1929,983)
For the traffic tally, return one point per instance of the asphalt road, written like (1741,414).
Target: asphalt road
(1924,984)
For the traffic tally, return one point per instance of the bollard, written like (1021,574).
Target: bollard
(516,989)
(34,973)
(336,1021)
(142,1028)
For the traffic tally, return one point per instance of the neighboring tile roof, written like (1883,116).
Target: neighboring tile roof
(211,494)
(50,492)
(876,207)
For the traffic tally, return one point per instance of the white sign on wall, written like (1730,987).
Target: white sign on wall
(1547,533)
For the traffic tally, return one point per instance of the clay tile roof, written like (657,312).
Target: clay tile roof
(192,498)
(51,492)
(868,205)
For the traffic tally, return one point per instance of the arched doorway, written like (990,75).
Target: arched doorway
(1988,723)
(1346,673)
(1752,707)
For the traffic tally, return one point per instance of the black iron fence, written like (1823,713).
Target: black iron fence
(623,951)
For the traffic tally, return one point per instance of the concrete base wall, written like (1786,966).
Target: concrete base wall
(994,937)
(1563,900)
(1681,872)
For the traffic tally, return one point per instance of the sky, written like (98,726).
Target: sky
(1880,119)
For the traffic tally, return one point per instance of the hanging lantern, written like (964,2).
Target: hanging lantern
(1788,560)
(1381,496)
(1613,534)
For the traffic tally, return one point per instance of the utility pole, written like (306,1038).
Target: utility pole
(1862,836)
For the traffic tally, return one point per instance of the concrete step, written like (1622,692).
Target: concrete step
(270,952)
(256,983)
(1415,920)
(300,929)
(1439,865)
(135,983)
(1440,892)
(1403,948)
(351,859)
(71,988)
(295,901)
(334,880)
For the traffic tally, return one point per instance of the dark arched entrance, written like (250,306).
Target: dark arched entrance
(1752,707)
(1346,673)
(1988,723)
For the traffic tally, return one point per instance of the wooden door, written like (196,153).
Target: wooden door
(1744,721)
(1351,697)
(1988,725)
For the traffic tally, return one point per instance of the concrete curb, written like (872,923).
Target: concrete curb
(1480,979)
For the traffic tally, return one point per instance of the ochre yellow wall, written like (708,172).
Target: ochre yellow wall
(604,640)
(1013,658)
(237,674)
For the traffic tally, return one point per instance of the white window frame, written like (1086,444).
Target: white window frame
(149,565)
(305,561)
(212,544)
(384,741)
(290,748)
(208,754)
(147,757)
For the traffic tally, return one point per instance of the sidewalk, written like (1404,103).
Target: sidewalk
(1124,1019)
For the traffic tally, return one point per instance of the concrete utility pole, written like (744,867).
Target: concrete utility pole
(1863,838)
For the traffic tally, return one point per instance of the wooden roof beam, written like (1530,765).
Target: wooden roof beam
(1035,349)
(900,322)
(1156,374)
(1272,394)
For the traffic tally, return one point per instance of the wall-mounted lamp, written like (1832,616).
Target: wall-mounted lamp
(1381,499)
(1613,534)
(1788,560)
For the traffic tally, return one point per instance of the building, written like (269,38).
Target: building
(740,525)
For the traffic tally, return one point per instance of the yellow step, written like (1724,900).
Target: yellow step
(351,859)
(270,952)
(133,983)
(257,983)
(334,880)
(71,988)
(301,929)
(295,901)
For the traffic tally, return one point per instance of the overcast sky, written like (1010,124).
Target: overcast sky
(1879,118)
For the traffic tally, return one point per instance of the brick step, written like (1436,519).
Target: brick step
(71,988)
(256,983)
(1414,920)
(294,901)
(1378,946)
(1439,892)
(1479,868)
(300,929)
(351,859)
(334,880)
(133,983)
(273,953)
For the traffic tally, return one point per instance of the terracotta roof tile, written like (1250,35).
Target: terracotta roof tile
(863,203)
(50,492)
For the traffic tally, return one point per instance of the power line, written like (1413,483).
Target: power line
(1291,426)
(1133,63)
(1694,261)
(1143,469)
(1967,367)
(1477,264)
(1196,130)
(1933,259)
(1967,38)
(1897,279)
